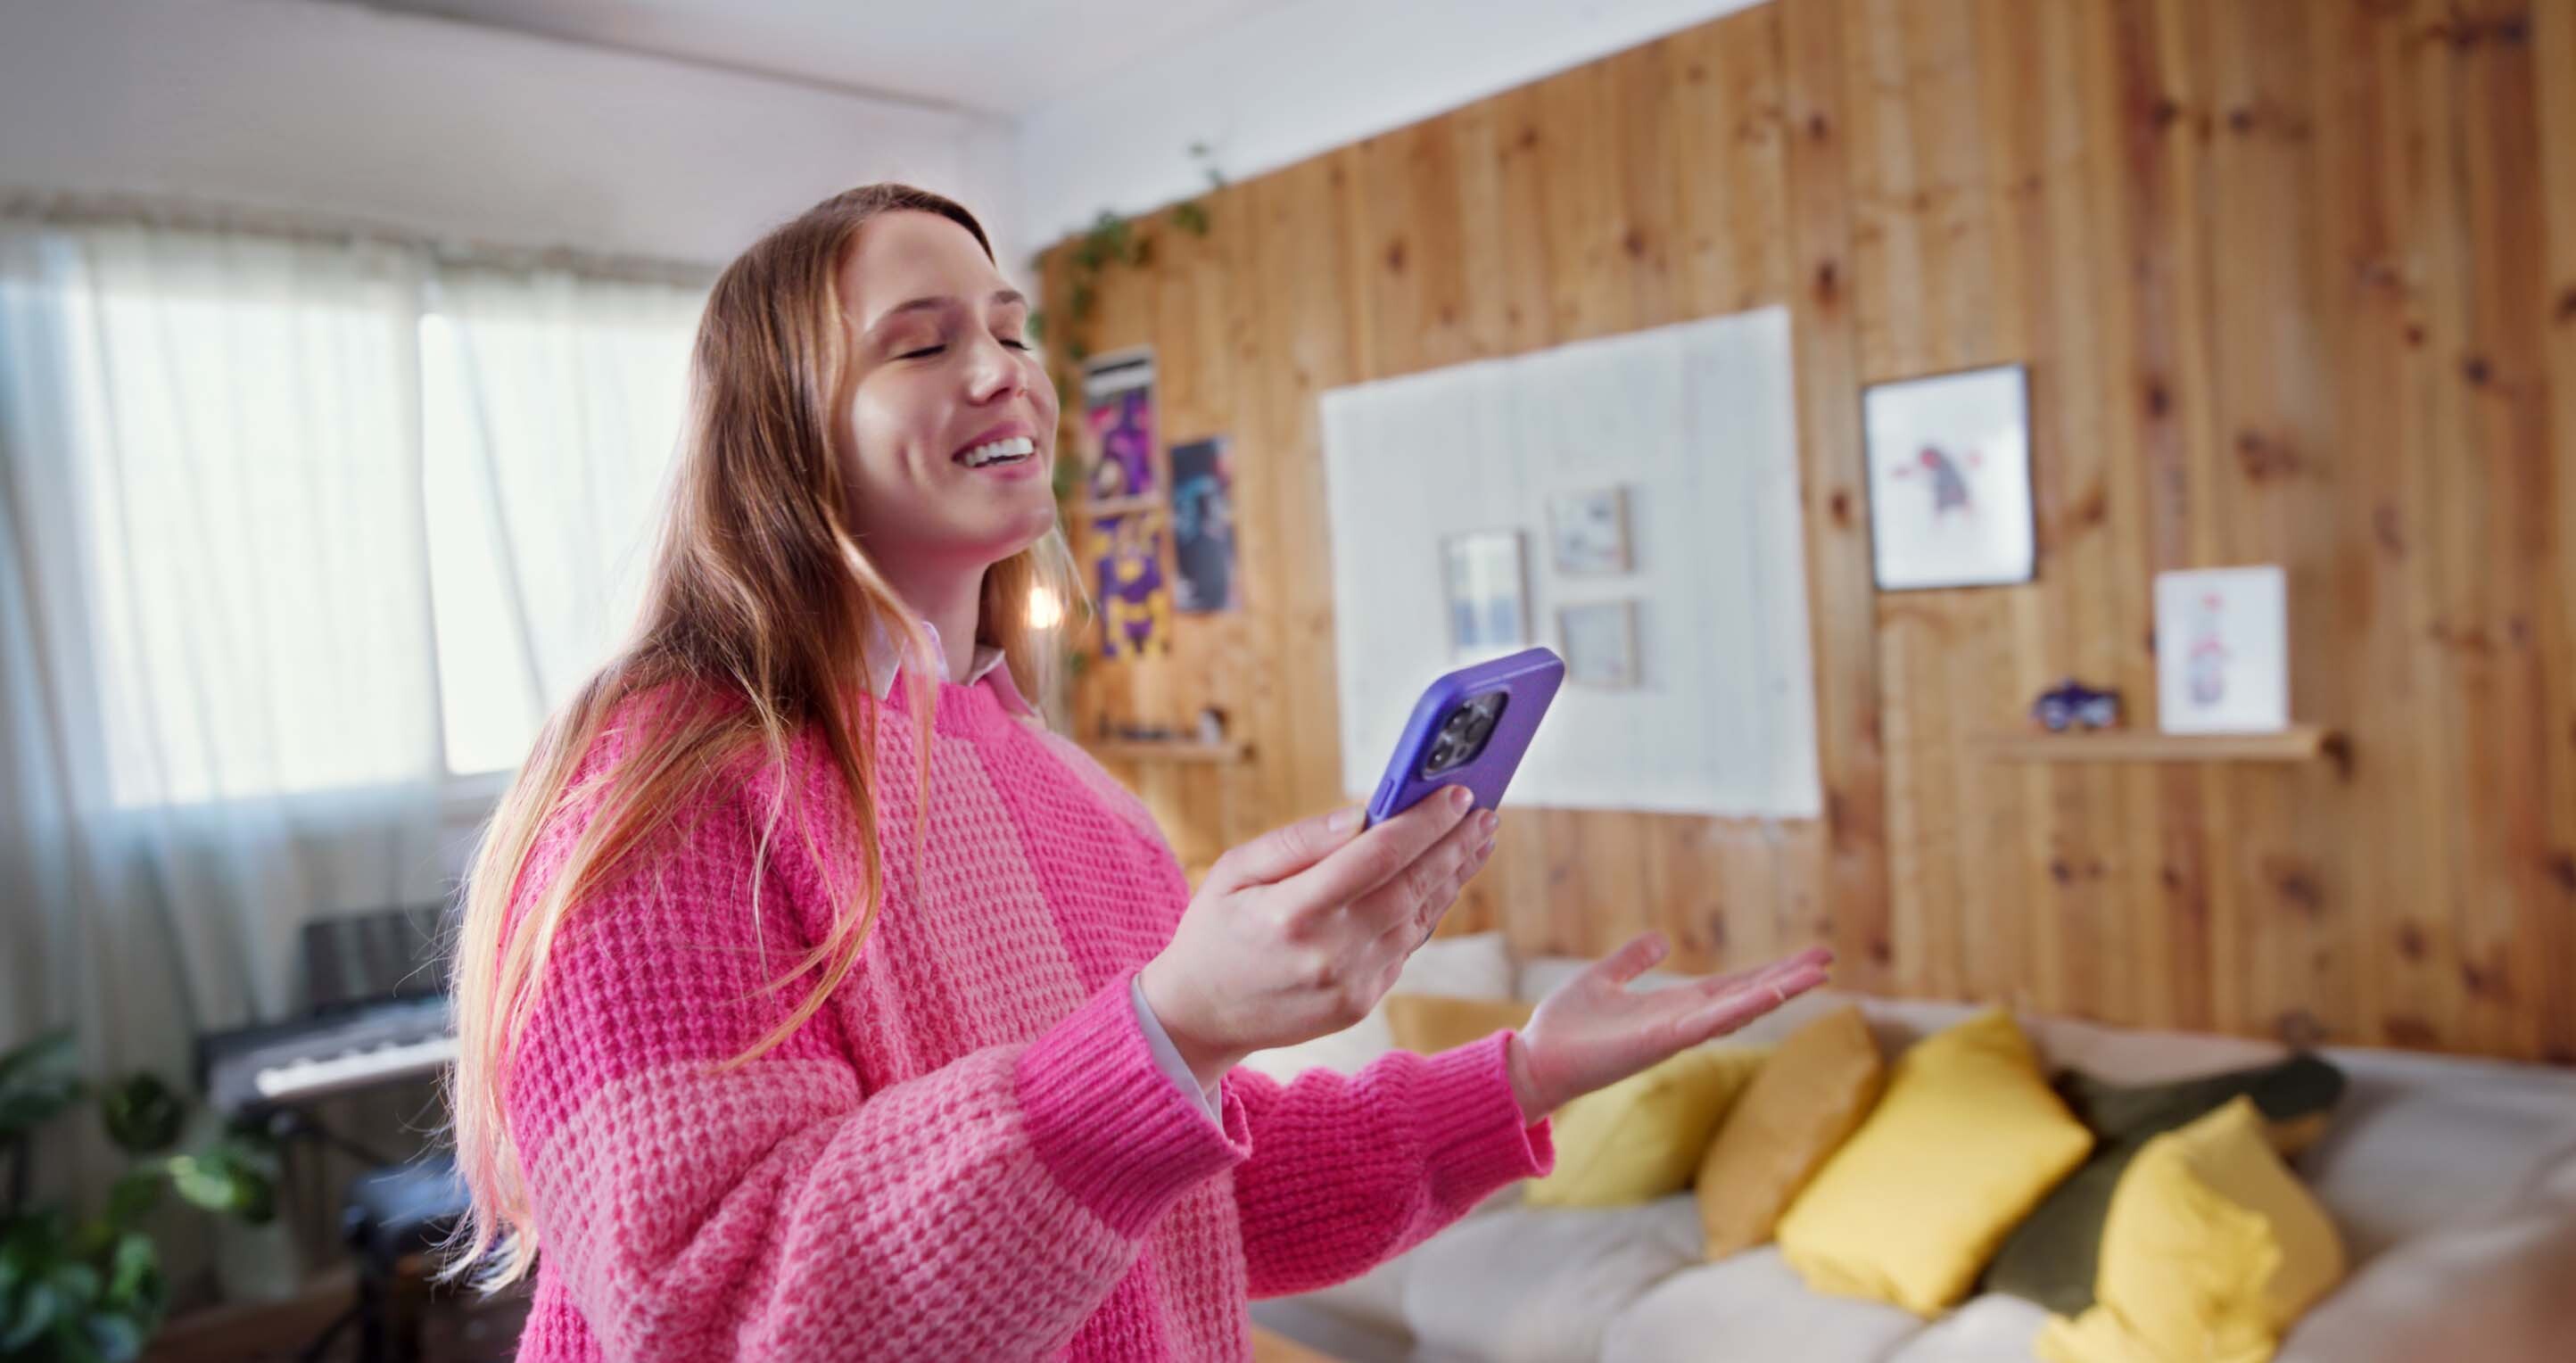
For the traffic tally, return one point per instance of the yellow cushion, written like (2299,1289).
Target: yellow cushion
(1794,1115)
(1967,1140)
(1426,1023)
(2211,1249)
(1642,1137)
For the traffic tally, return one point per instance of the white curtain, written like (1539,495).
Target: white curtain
(222,710)
(299,538)
(554,402)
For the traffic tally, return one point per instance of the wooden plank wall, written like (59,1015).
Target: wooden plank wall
(2296,283)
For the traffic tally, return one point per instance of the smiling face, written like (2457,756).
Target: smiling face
(949,431)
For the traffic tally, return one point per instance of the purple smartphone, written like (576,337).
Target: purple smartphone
(1470,728)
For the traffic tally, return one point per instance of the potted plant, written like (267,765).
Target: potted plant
(79,1287)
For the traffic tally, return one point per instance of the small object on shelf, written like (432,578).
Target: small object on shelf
(2071,704)
(1211,724)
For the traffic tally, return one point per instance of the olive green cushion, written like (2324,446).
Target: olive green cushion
(2051,1257)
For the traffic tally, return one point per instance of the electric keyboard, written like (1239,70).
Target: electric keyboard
(294,1062)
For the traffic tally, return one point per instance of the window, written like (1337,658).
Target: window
(309,516)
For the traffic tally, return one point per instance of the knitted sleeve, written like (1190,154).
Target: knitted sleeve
(780,1209)
(1349,1171)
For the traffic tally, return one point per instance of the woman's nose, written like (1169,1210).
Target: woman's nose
(993,372)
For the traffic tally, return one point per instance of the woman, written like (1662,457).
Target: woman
(787,1033)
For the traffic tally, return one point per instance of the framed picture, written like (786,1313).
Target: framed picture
(1127,577)
(1589,531)
(1487,592)
(1949,479)
(1118,427)
(2223,651)
(1203,527)
(1600,644)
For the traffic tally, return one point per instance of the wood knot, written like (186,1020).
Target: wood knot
(2265,458)
(2476,370)
(2159,401)
(1633,242)
(1828,283)
(1395,256)
(2410,942)
(1839,507)
(2388,530)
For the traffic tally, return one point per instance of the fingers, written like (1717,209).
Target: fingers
(1415,896)
(1413,922)
(1768,989)
(1283,852)
(1815,957)
(1381,854)
(1632,960)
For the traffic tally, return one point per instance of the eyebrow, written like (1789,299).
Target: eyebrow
(1000,298)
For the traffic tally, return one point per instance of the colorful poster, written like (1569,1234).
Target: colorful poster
(1203,526)
(1135,602)
(1118,426)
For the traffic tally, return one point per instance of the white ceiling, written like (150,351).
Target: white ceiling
(998,57)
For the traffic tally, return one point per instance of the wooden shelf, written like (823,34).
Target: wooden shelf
(1173,750)
(2299,743)
(1117,506)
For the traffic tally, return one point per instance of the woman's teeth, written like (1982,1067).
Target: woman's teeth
(1009,451)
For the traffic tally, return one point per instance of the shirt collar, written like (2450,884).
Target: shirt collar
(883,664)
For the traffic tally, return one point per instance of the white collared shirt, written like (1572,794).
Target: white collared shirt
(883,664)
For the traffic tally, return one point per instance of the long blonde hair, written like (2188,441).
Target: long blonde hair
(758,620)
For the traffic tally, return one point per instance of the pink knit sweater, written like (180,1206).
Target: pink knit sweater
(970,1153)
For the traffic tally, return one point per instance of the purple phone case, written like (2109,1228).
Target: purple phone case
(1528,679)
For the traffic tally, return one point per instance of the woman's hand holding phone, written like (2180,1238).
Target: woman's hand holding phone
(1298,933)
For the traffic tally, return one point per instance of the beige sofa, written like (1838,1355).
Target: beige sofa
(2453,1181)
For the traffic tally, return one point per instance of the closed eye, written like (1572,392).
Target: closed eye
(923,353)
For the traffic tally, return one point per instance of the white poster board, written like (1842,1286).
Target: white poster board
(1697,423)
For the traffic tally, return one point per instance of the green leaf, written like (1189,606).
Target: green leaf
(1084,299)
(33,1316)
(76,1285)
(1037,327)
(143,1114)
(118,1338)
(71,1341)
(136,1192)
(1076,351)
(134,1271)
(226,1178)
(37,1080)
(1191,216)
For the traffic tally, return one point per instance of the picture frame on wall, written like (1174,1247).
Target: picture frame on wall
(1120,436)
(2223,650)
(1487,589)
(1588,532)
(1600,644)
(1949,480)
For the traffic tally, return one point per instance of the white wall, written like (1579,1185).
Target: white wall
(449,128)
(1301,79)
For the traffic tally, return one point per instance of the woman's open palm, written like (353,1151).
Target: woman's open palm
(1593,1031)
